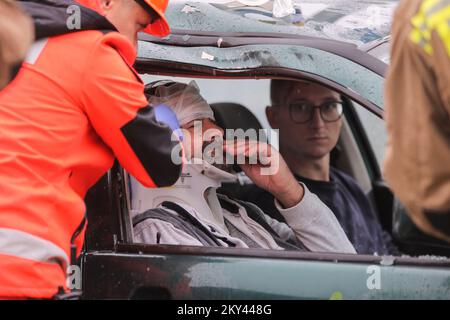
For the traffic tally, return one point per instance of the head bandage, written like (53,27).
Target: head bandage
(184,99)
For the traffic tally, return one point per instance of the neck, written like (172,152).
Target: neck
(311,168)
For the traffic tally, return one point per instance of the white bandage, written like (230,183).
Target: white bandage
(184,99)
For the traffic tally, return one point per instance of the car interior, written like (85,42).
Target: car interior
(241,103)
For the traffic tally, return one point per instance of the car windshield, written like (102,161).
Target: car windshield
(308,60)
(353,21)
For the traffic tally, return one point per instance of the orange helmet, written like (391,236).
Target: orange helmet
(159,27)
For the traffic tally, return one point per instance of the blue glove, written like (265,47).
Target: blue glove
(165,115)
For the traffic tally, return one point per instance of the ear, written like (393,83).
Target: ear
(272,116)
(105,5)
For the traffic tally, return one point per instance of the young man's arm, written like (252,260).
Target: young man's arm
(313,224)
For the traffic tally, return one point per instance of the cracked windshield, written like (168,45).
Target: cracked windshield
(357,22)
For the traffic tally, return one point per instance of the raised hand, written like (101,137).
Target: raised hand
(267,169)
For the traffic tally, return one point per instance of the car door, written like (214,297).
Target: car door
(115,267)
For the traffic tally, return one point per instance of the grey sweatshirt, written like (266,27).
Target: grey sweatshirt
(311,221)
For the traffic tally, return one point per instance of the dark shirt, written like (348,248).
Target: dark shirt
(348,202)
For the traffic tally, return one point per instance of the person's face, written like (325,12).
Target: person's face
(127,16)
(198,134)
(313,139)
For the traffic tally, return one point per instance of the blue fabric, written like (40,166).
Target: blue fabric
(164,114)
(350,205)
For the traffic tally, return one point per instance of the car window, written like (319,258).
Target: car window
(353,21)
(243,92)
(375,130)
(232,91)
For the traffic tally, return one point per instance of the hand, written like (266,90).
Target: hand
(267,169)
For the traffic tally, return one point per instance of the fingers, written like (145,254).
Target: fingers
(248,152)
(246,147)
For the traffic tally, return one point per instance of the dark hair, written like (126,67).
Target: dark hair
(279,89)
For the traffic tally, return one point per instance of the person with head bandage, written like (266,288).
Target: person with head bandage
(193,213)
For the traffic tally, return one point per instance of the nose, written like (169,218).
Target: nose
(317,121)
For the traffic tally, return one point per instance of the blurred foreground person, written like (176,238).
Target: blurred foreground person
(417,165)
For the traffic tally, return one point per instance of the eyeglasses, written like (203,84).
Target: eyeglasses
(303,111)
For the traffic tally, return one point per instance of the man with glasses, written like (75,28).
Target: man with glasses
(309,119)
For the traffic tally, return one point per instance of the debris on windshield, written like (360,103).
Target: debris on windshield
(353,21)
(283,8)
(219,42)
(186,37)
(207,56)
(387,260)
(189,9)
(297,18)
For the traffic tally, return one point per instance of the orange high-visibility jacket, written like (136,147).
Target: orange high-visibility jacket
(75,105)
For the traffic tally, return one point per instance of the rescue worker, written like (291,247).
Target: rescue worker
(417,165)
(76,104)
(16,36)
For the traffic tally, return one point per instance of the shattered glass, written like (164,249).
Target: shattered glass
(352,21)
(326,65)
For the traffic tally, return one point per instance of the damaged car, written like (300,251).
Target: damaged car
(233,50)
